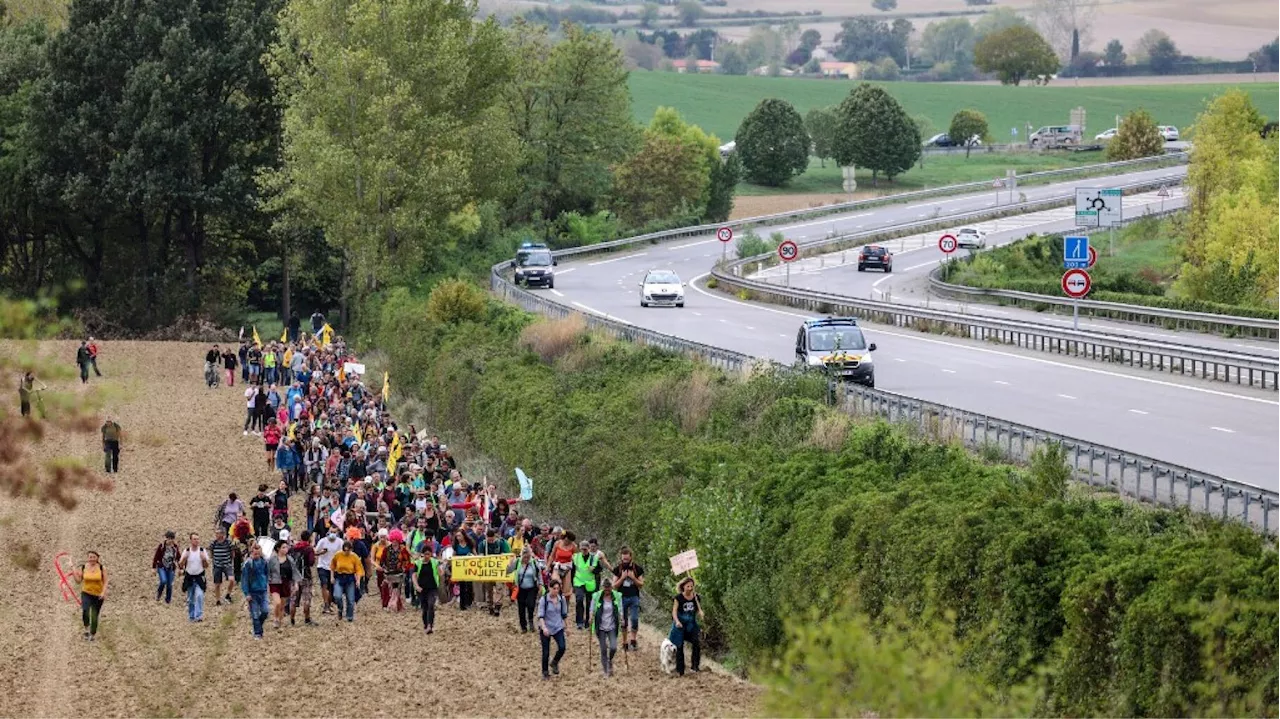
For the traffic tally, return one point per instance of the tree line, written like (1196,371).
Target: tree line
(189,157)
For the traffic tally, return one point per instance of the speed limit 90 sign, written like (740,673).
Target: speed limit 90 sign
(788,251)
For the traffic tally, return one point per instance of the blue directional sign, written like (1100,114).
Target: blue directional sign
(1075,253)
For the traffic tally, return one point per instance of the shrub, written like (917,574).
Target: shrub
(830,430)
(454,301)
(552,339)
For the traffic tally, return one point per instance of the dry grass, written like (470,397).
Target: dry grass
(830,430)
(685,401)
(552,339)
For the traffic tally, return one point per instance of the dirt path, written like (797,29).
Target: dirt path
(182,453)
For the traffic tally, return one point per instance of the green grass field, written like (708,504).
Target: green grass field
(938,170)
(718,103)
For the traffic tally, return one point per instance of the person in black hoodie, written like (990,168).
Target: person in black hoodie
(294,326)
(244,361)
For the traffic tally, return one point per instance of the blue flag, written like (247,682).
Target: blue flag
(526,485)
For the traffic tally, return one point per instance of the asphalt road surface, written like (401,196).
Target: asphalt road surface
(1204,425)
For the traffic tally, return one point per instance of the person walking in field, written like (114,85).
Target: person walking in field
(111,445)
(528,575)
(165,562)
(606,608)
(253,580)
(628,577)
(193,562)
(92,578)
(229,363)
(686,611)
(426,582)
(26,387)
(552,614)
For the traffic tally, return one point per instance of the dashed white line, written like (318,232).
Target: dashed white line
(750,327)
(565,272)
(948,371)
(1223,429)
(616,259)
(698,314)
(557,293)
(1066,396)
(1138,411)
(898,359)
(999,381)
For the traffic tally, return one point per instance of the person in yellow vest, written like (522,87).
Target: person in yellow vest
(269,363)
(606,617)
(92,577)
(586,567)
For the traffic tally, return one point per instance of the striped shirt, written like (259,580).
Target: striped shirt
(221,551)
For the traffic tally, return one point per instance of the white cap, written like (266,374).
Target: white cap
(284,535)
(383,532)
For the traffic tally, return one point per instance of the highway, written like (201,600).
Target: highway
(918,255)
(1207,426)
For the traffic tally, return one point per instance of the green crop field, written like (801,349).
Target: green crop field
(719,102)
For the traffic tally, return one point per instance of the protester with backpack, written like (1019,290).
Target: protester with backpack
(606,606)
(552,614)
(165,563)
(193,562)
(280,578)
(427,583)
(528,576)
(303,556)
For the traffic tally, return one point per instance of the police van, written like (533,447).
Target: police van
(837,345)
(535,266)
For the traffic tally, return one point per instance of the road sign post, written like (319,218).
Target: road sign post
(1075,252)
(725,235)
(1076,284)
(998,183)
(788,252)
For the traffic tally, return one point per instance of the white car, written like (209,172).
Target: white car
(971,237)
(1168,132)
(661,287)
(1106,135)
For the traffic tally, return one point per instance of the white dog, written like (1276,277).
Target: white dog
(667,657)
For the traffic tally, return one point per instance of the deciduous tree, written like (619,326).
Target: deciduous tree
(821,123)
(1015,54)
(949,41)
(884,5)
(1066,24)
(664,178)
(772,143)
(1137,136)
(968,127)
(1114,54)
(875,132)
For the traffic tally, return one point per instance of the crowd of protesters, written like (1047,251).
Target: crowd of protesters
(363,505)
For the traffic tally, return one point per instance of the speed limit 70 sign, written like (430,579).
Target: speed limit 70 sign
(724,234)
(788,251)
(948,243)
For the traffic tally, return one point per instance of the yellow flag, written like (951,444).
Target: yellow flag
(355,429)
(342,373)
(326,334)
(292,426)
(257,341)
(284,335)
(393,457)
(386,386)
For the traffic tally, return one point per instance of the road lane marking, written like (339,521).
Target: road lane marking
(589,309)
(557,293)
(948,371)
(1066,396)
(829,221)
(697,313)
(750,327)
(898,359)
(1138,411)
(565,272)
(1224,429)
(616,259)
(999,381)
(691,244)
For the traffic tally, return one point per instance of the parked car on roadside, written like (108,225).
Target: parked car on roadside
(1168,132)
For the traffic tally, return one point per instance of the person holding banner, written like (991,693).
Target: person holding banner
(606,606)
(491,592)
(552,614)
(686,610)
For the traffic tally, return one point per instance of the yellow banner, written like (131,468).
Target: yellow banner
(488,568)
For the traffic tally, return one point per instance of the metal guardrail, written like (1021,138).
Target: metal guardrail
(1207,363)
(1156,162)
(1131,475)
(1139,314)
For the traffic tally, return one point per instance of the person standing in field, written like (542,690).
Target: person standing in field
(165,562)
(605,611)
(426,582)
(26,386)
(686,611)
(93,356)
(229,363)
(83,360)
(111,445)
(92,577)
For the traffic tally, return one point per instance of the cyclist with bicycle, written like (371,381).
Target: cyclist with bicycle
(211,359)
